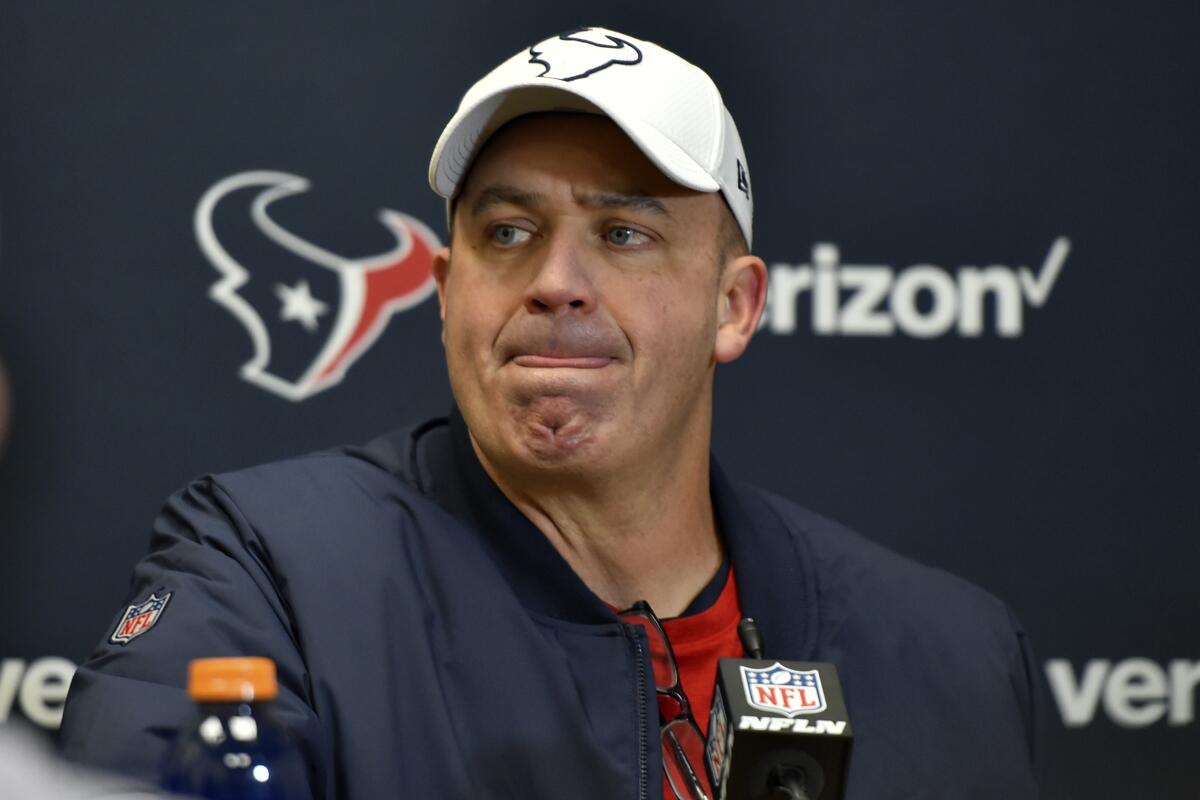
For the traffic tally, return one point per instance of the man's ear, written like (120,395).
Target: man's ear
(741,302)
(441,271)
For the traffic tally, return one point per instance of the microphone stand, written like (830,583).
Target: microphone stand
(784,783)
(787,783)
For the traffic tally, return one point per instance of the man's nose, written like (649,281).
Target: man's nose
(563,280)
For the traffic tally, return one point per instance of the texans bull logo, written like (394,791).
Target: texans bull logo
(310,313)
(577,54)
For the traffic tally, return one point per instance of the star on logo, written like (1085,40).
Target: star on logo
(300,305)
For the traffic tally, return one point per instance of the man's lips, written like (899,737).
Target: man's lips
(560,362)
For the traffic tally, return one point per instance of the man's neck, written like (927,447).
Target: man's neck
(646,535)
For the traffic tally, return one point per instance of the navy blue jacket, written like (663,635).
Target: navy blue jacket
(431,643)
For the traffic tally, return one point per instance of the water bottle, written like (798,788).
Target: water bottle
(235,749)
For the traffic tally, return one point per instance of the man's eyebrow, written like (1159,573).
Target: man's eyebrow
(502,194)
(640,202)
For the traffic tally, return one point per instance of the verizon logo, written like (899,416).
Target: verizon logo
(923,301)
(1132,693)
(38,688)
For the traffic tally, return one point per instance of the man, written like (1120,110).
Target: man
(444,604)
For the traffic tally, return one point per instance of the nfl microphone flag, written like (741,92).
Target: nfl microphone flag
(771,719)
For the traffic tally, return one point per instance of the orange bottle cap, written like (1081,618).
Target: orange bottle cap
(237,680)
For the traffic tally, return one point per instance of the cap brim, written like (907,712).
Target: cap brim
(466,133)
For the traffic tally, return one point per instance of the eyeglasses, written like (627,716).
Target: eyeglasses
(682,742)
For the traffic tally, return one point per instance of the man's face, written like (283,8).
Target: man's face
(582,298)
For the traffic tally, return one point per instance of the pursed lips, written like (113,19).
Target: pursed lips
(537,361)
(564,343)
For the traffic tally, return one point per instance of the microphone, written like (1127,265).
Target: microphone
(777,730)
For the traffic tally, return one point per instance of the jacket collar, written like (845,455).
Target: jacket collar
(772,576)
(775,580)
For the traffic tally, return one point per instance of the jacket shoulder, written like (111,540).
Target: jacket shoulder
(345,488)
(382,465)
(854,571)
(888,621)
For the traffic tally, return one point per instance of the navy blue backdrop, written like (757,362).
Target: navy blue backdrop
(981,221)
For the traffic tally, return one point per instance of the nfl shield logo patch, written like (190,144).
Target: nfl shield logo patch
(781,690)
(139,618)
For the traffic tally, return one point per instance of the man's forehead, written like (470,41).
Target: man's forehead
(586,155)
(491,195)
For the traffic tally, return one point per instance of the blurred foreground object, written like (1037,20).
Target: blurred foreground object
(235,749)
(29,770)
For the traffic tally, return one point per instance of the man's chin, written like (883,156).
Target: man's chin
(555,432)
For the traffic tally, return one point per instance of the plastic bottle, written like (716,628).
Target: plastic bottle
(235,749)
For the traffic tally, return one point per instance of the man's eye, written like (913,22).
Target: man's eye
(508,235)
(625,237)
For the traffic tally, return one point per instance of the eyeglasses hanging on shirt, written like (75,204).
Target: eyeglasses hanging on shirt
(682,742)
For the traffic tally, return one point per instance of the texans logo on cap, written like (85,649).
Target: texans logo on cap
(577,54)
(310,313)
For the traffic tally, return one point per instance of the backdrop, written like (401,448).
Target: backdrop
(981,222)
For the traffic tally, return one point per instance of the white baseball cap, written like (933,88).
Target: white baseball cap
(670,108)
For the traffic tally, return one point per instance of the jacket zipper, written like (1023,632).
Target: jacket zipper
(643,745)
